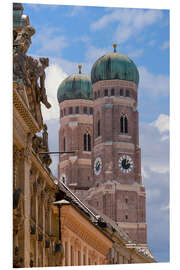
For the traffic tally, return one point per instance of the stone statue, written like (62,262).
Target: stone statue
(24,36)
(36,72)
(20,65)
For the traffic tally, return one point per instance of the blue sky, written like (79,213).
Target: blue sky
(72,35)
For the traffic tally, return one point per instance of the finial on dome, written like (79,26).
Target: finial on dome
(79,66)
(114,46)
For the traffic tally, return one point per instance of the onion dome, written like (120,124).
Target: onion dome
(114,66)
(76,86)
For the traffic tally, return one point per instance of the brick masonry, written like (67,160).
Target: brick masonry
(120,195)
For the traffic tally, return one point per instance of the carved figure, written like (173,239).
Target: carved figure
(20,65)
(36,72)
(24,36)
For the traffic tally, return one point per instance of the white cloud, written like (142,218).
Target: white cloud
(76,10)
(165,45)
(162,123)
(130,22)
(49,40)
(93,53)
(54,76)
(153,84)
(136,53)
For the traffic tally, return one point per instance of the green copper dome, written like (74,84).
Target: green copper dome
(76,86)
(114,66)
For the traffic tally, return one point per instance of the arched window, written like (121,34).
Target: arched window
(121,92)
(106,92)
(87,142)
(99,128)
(127,93)
(112,92)
(77,109)
(123,124)
(64,144)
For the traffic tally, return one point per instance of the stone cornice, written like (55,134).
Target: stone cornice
(78,224)
(24,112)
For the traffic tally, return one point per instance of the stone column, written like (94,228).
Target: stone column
(86,254)
(25,166)
(82,253)
(69,252)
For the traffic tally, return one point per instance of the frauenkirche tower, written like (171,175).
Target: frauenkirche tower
(116,187)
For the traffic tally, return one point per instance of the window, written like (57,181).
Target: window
(123,124)
(85,109)
(126,200)
(95,95)
(126,217)
(77,109)
(112,92)
(98,128)
(87,142)
(98,93)
(127,93)
(91,110)
(106,92)
(121,92)
(61,113)
(64,111)
(70,110)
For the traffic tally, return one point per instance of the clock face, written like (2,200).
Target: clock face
(97,165)
(63,178)
(126,163)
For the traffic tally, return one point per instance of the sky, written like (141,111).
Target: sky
(72,35)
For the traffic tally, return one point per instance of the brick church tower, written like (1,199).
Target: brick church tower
(101,120)
(117,185)
(76,132)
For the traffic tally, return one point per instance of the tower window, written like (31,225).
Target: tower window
(85,109)
(106,92)
(127,93)
(112,92)
(123,124)
(87,142)
(77,109)
(99,128)
(91,110)
(121,92)
(70,110)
